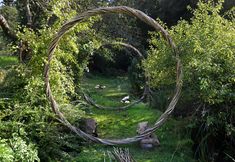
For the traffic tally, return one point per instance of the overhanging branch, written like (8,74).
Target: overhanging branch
(6,28)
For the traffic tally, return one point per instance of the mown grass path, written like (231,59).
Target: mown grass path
(175,143)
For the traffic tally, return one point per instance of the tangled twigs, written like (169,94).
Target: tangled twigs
(122,155)
(148,20)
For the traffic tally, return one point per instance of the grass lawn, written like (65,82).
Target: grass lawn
(5,63)
(175,142)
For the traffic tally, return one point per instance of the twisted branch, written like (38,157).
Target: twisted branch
(139,54)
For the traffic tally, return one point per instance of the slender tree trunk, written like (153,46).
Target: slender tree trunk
(6,28)
(24,52)
(28,14)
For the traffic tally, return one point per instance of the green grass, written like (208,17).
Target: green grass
(5,63)
(175,143)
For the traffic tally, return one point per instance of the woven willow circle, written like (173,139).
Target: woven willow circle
(100,11)
(146,90)
(137,52)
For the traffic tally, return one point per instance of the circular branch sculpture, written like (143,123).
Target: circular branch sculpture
(93,103)
(139,54)
(148,20)
(90,101)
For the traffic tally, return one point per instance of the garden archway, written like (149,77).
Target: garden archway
(143,17)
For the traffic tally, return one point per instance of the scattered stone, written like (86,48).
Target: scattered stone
(97,86)
(141,127)
(89,126)
(100,86)
(125,99)
(87,70)
(127,102)
(148,142)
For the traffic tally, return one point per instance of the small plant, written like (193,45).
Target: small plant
(16,149)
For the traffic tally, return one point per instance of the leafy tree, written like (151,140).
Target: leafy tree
(206,45)
(27,107)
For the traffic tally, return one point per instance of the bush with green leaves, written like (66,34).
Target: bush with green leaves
(207,49)
(17,149)
(27,107)
(206,46)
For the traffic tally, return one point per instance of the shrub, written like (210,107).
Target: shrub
(206,44)
(16,149)
(27,107)
(206,47)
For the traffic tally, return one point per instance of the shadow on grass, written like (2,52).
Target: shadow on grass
(175,142)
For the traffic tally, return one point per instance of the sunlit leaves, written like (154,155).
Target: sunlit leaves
(16,149)
(206,46)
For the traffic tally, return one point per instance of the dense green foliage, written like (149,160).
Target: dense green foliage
(16,149)
(206,49)
(26,107)
(206,46)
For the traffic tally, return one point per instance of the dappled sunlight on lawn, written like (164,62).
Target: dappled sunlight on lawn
(123,123)
(115,94)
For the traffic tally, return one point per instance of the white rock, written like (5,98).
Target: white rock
(103,87)
(126,98)
(87,69)
(97,86)
(127,102)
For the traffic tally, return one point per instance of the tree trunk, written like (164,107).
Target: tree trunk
(29,14)
(6,28)
(24,52)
